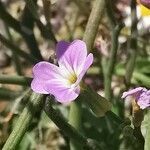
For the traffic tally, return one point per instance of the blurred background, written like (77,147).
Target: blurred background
(34,27)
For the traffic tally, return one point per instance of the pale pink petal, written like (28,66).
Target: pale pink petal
(61,48)
(88,63)
(133,92)
(43,72)
(141,95)
(62,93)
(73,56)
(144,100)
(38,85)
(46,70)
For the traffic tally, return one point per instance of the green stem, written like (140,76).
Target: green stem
(28,23)
(89,37)
(111,63)
(93,23)
(138,134)
(35,103)
(147,137)
(7,94)
(19,80)
(75,120)
(22,28)
(17,50)
(9,20)
(110,13)
(67,129)
(45,30)
(16,60)
(108,72)
(133,45)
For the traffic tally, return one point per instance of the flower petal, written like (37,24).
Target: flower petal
(43,72)
(46,70)
(88,63)
(61,47)
(133,92)
(144,100)
(63,94)
(38,86)
(72,56)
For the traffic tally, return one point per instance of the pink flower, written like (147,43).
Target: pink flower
(141,95)
(63,81)
(146,3)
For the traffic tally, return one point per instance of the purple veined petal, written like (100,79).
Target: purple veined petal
(144,100)
(37,85)
(73,56)
(88,63)
(43,72)
(46,70)
(63,94)
(61,48)
(133,92)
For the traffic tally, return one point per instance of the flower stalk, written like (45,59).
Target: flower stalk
(17,50)
(108,71)
(69,130)
(18,80)
(89,37)
(75,119)
(132,45)
(93,23)
(147,137)
(35,103)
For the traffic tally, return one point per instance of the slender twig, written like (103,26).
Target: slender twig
(131,64)
(111,62)
(45,30)
(70,131)
(132,45)
(6,94)
(28,22)
(9,20)
(21,28)
(93,23)
(47,9)
(110,13)
(18,80)
(15,57)
(89,37)
(17,50)
(35,103)
(115,28)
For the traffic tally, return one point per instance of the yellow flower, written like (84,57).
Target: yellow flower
(144,11)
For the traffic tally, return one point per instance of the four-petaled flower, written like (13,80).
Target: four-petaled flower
(141,95)
(63,80)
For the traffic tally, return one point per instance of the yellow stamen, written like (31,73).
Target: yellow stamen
(72,78)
